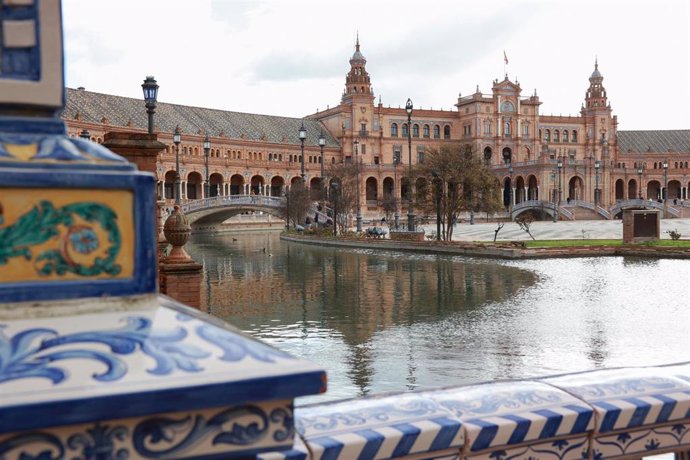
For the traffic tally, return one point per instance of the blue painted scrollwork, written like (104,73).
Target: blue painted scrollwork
(240,426)
(98,443)
(493,402)
(14,447)
(236,347)
(34,352)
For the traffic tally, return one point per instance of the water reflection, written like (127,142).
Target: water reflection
(383,321)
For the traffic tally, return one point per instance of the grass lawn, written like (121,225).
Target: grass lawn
(576,243)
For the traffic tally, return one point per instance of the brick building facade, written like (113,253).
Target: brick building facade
(260,154)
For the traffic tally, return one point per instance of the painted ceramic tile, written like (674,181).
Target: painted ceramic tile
(512,413)
(241,430)
(66,234)
(560,449)
(628,398)
(645,442)
(386,427)
(74,369)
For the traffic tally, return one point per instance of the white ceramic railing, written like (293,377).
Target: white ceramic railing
(598,415)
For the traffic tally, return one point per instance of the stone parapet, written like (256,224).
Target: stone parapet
(598,415)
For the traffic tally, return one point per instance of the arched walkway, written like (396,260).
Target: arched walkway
(633,190)
(194,182)
(507,192)
(507,155)
(315,188)
(674,190)
(215,184)
(620,189)
(277,184)
(257,185)
(519,189)
(654,190)
(576,188)
(371,190)
(487,155)
(237,185)
(169,185)
(533,188)
(388,187)
(422,190)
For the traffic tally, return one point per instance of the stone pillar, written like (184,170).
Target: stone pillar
(138,148)
(180,276)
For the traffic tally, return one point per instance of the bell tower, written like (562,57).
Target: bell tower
(596,93)
(357,82)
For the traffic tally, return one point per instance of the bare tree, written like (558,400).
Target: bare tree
(345,175)
(466,184)
(297,204)
(498,229)
(525,220)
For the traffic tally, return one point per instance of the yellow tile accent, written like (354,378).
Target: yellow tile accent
(22,152)
(17,202)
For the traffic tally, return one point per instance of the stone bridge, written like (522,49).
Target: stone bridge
(550,208)
(217,209)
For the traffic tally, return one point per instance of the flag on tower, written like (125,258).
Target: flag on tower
(505,57)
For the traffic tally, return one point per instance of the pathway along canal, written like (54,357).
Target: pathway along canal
(393,321)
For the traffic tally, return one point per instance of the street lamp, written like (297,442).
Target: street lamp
(176,141)
(396,187)
(302,138)
(410,211)
(359,201)
(555,208)
(597,165)
(207,147)
(510,191)
(150,88)
(559,165)
(322,143)
(665,191)
(84,134)
(437,197)
(639,187)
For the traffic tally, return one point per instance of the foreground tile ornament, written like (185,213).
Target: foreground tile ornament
(93,362)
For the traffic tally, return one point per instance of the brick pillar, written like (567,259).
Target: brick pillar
(180,276)
(138,148)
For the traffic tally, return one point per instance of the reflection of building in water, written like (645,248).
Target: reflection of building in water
(354,293)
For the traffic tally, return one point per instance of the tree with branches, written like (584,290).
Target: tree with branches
(466,184)
(297,204)
(345,199)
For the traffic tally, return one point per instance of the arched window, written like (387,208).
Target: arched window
(415,130)
(556,135)
(394,130)
(405,131)
(184,150)
(676,166)
(437,132)
(573,136)
(565,135)
(547,135)
(426,131)
(446,132)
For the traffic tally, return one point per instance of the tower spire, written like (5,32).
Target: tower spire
(357,43)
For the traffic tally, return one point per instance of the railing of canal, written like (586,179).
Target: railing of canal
(598,415)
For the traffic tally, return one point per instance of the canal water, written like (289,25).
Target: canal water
(392,321)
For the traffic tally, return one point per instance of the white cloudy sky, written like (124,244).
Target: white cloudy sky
(285,57)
